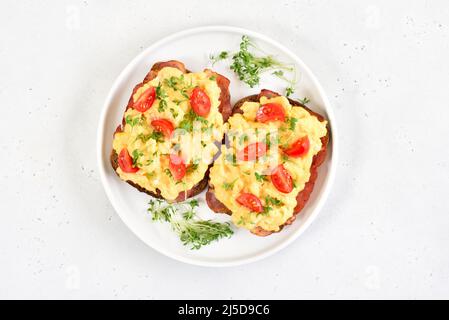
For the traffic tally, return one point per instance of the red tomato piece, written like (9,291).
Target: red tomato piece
(145,100)
(250,201)
(125,162)
(299,148)
(200,102)
(163,125)
(282,179)
(177,167)
(252,151)
(270,112)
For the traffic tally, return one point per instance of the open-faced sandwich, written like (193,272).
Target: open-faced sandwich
(268,166)
(170,130)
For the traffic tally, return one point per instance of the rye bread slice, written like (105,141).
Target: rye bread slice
(304,195)
(225,109)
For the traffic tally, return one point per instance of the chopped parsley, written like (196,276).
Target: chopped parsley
(135,156)
(133,121)
(156,135)
(178,101)
(168,172)
(191,168)
(269,202)
(188,120)
(273,201)
(174,113)
(241,221)
(269,139)
(143,137)
(173,82)
(292,123)
(260,177)
(266,210)
(229,185)
(285,158)
(161,95)
(162,105)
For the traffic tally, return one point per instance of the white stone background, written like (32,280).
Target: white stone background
(383,233)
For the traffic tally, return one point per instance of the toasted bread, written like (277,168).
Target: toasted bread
(224,108)
(303,196)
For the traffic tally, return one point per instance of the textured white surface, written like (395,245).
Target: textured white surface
(382,234)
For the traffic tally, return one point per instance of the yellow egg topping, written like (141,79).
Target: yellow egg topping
(193,138)
(231,177)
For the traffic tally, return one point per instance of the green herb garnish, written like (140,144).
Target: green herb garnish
(156,135)
(133,121)
(161,95)
(174,82)
(260,177)
(188,120)
(291,82)
(135,156)
(191,230)
(267,209)
(229,185)
(221,56)
(292,123)
(273,201)
(249,67)
(143,137)
(304,101)
(168,172)
(269,139)
(162,105)
(191,168)
(189,214)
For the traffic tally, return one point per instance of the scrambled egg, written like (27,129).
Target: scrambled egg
(150,151)
(230,178)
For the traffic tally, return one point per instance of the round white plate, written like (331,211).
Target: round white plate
(193,47)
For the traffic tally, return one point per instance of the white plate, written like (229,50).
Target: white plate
(193,47)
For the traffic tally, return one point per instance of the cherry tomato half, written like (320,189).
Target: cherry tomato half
(177,167)
(145,100)
(163,125)
(252,151)
(200,102)
(270,112)
(126,162)
(299,148)
(282,179)
(250,201)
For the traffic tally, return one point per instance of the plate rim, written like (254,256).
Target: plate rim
(327,184)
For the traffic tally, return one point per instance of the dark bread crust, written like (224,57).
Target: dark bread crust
(198,188)
(304,195)
(224,108)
